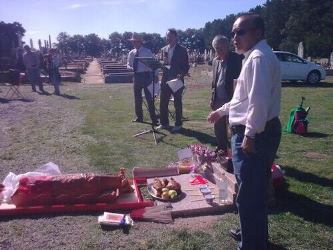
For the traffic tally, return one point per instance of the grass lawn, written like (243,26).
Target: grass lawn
(303,215)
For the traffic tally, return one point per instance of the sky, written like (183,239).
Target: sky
(102,17)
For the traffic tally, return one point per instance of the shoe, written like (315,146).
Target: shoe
(155,124)
(162,127)
(236,234)
(176,129)
(138,120)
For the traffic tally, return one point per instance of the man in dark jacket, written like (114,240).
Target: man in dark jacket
(176,63)
(226,67)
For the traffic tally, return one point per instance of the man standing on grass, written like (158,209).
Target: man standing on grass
(177,65)
(256,130)
(142,79)
(226,67)
(32,65)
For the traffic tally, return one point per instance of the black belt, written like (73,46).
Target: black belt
(240,129)
(237,129)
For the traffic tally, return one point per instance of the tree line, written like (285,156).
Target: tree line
(288,22)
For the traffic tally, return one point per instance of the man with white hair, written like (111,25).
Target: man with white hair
(226,67)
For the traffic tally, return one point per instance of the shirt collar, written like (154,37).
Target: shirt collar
(256,46)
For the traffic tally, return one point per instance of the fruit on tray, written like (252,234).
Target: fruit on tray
(166,189)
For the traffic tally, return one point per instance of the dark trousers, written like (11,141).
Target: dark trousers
(142,81)
(221,133)
(164,104)
(33,76)
(252,173)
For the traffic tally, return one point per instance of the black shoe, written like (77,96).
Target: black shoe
(138,120)
(155,124)
(236,234)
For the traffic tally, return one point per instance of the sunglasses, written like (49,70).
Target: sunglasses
(240,32)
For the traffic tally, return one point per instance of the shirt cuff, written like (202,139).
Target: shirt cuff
(249,133)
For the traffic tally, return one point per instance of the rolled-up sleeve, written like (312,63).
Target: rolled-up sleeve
(130,59)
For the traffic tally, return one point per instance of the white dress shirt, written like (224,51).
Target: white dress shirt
(169,51)
(143,52)
(257,95)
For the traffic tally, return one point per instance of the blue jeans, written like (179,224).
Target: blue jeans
(252,173)
(55,79)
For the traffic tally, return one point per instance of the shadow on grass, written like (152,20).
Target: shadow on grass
(303,207)
(306,85)
(316,135)
(70,97)
(201,137)
(273,246)
(3,100)
(307,177)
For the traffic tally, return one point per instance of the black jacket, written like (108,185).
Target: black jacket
(233,68)
(179,64)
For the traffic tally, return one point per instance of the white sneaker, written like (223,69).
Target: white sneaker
(162,127)
(176,129)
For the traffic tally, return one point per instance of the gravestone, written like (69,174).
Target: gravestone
(300,50)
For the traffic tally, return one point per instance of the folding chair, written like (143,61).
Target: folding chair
(14,85)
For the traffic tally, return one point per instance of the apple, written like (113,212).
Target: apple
(165,196)
(172,193)
(165,190)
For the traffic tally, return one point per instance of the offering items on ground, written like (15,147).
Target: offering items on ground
(125,186)
(166,189)
(66,189)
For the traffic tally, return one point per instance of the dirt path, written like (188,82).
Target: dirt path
(93,74)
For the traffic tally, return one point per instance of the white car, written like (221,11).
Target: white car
(294,68)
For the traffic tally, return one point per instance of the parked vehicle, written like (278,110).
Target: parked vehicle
(294,68)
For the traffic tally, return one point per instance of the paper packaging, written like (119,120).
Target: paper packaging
(185,153)
(175,84)
(114,219)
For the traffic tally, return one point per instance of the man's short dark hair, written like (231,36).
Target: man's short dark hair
(173,31)
(259,23)
(256,21)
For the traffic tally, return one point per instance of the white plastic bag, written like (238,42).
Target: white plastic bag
(12,180)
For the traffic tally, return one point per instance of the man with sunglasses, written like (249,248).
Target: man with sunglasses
(256,130)
(226,67)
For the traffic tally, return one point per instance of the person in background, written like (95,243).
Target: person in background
(226,67)
(142,79)
(54,63)
(32,65)
(176,62)
(256,129)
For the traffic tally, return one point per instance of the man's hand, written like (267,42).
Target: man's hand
(214,116)
(211,104)
(248,145)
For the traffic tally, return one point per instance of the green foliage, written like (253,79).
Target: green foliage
(288,22)
(9,35)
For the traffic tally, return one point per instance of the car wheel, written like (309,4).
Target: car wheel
(313,77)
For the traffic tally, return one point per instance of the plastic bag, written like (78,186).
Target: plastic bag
(11,181)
